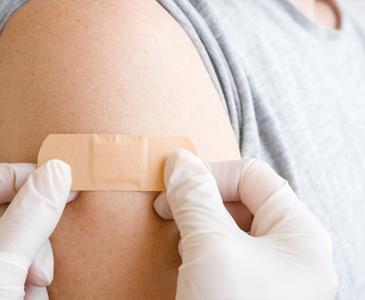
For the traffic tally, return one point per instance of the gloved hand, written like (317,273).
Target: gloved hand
(38,198)
(286,256)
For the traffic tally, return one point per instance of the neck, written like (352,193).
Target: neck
(321,11)
(306,6)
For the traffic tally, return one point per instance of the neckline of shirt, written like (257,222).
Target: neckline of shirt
(318,29)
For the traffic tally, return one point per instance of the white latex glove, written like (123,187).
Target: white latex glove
(37,198)
(287,256)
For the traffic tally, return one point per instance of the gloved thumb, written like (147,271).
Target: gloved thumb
(193,196)
(35,211)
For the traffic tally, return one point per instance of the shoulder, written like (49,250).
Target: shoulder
(92,45)
(94,22)
(106,66)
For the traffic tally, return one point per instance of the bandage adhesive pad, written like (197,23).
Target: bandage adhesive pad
(113,162)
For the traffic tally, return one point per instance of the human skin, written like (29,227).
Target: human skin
(323,12)
(120,67)
(117,67)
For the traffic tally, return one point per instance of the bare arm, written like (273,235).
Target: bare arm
(107,67)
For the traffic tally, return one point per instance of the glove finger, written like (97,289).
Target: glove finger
(250,181)
(275,206)
(12,276)
(238,211)
(194,198)
(227,175)
(161,207)
(258,181)
(35,293)
(72,196)
(12,177)
(41,270)
(36,209)
(180,248)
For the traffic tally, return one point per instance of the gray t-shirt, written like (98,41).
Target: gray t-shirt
(295,94)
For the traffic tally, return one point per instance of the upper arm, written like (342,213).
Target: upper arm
(111,57)
(114,66)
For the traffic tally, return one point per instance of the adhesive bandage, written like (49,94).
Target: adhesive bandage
(113,161)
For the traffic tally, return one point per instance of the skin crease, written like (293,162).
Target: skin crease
(59,73)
